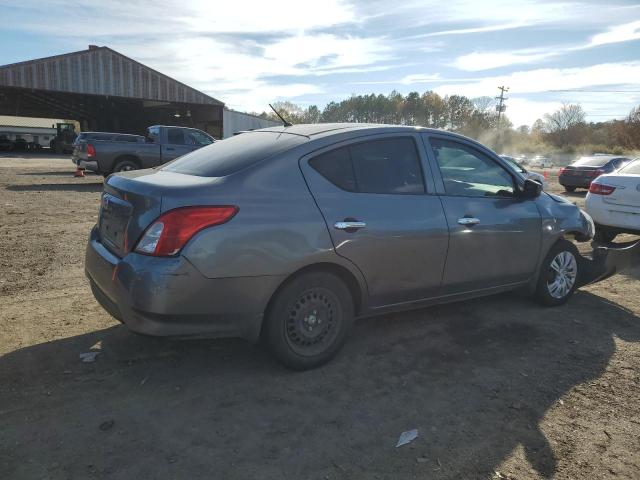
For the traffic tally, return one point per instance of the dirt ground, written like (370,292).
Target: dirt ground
(497,387)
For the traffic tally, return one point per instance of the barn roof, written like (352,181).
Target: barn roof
(100,71)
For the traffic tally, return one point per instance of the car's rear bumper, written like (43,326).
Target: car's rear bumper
(88,165)
(569,181)
(170,297)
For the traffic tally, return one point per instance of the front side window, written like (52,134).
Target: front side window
(175,136)
(388,166)
(194,137)
(470,173)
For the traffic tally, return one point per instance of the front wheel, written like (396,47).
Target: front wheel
(558,276)
(309,320)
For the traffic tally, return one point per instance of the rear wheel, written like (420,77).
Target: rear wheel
(570,189)
(125,166)
(309,320)
(558,276)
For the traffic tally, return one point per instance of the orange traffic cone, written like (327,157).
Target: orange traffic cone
(546,175)
(79,172)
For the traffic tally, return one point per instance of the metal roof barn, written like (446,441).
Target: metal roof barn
(104,90)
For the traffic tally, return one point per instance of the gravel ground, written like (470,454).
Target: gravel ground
(497,387)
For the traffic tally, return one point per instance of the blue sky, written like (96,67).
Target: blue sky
(311,52)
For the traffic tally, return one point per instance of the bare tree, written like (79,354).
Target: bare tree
(566,117)
(566,125)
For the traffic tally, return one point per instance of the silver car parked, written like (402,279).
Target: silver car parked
(287,234)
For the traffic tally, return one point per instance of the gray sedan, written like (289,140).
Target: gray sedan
(287,234)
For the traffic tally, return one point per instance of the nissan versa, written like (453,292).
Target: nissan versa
(287,234)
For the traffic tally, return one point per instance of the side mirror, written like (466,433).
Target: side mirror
(531,188)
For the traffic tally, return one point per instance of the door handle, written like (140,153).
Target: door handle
(349,225)
(170,149)
(468,221)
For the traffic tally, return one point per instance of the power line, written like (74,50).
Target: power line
(595,91)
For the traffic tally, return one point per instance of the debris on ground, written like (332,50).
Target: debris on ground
(106,425)
(407,437)
(89,357)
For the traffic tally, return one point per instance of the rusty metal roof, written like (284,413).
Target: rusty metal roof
(100,71)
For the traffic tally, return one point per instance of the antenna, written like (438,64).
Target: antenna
(285,123)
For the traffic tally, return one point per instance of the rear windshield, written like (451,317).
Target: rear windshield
(592,161)
(233,154)
(632,169)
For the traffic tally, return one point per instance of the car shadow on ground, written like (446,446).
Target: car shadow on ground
(58,187)
(56,173)
(475,378)
(576,194)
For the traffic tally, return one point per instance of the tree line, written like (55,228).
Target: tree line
(566,129)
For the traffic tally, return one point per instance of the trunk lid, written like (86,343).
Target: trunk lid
(582,172)
(627,192)
(131,201)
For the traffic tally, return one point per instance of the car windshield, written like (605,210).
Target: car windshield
(631,169)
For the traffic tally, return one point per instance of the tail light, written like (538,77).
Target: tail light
(562,170)
(599,172)
(172,230)
(600,189)
(91,151)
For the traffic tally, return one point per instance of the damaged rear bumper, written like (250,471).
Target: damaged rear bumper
(607,261)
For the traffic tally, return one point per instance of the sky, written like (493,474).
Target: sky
(250,53)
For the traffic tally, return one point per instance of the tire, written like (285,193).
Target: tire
(125,166)
(309,320)
(553,289)
(604,235)
(569,189)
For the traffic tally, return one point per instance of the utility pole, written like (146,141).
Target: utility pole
(501,107)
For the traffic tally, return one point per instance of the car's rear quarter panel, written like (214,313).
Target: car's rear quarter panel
(277,230)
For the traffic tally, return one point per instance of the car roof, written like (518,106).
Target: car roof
(314,130)
(602,157)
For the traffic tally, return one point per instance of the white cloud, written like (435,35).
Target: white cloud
(465,31)
(550,79)
(620,33)
(560,83)
(476,61)
(522,111)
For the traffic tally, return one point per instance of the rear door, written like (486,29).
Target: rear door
(175,144)
(376,196)
(495,236)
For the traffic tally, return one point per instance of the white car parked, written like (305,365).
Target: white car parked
(614,202)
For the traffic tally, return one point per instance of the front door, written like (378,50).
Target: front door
(176,145)
(495,235)
(381,214)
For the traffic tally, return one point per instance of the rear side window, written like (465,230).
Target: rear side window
(390,166)
(336,167)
